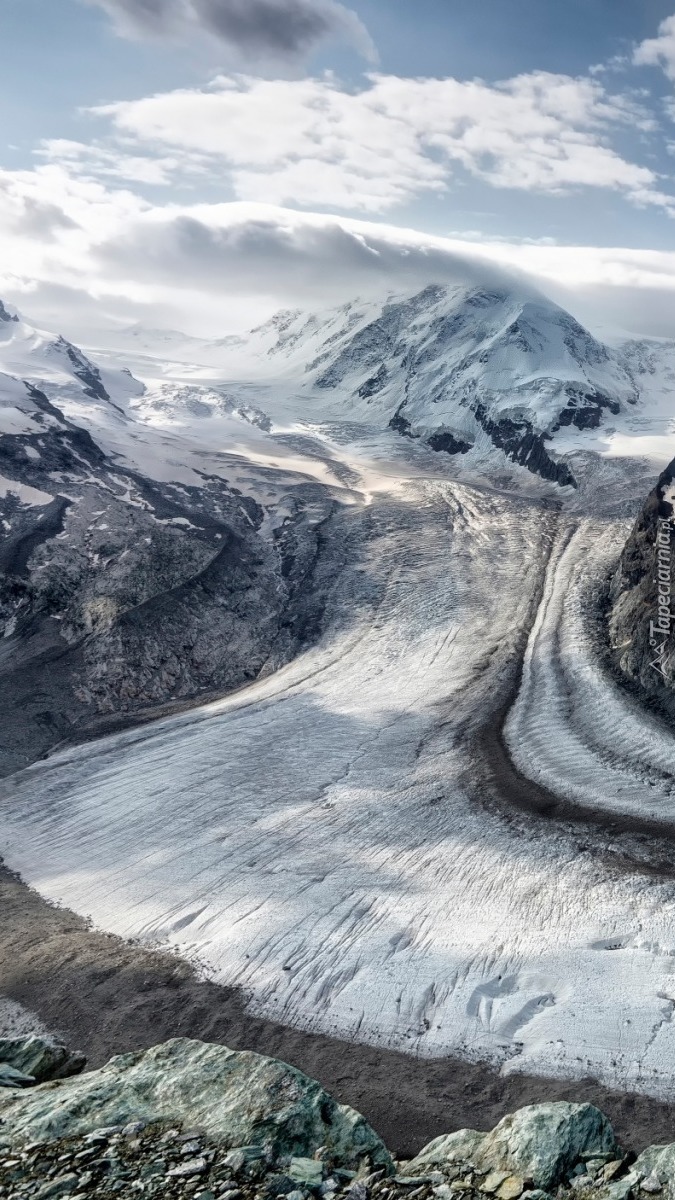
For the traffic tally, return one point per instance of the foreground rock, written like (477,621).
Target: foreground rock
(235,1097)
(187,1119)
(541,1145)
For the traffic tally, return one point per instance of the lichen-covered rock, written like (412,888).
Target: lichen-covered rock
(543,1142)
(657,1163)
(236,1097)
(40,1059)
(539,1145)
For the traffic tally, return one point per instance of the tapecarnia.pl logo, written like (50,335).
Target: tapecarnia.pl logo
(660,628)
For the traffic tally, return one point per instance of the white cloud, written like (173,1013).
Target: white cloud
(660,50)
(315,142)
(94,254)
(259,29)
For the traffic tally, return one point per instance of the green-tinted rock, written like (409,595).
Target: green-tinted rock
(236,1097)
(308,1171)
(41,1059)
(451,1147)
(543,1142)
(659,1161)
(539,1144)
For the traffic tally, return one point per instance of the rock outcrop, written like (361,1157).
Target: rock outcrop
(540,1144)
(190,1119)
(641,620)
(37,1060)
(236,1098)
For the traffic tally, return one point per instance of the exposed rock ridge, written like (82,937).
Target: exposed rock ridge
(119,593)
(258,1128)
(641,616)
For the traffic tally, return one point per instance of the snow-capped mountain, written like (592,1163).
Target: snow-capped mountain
(494,378)
(450,365)
(142,497)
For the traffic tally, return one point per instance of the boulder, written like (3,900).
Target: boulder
(657,1162)
(539,1144)
(543,1142)
(236,1097)
(40,1059)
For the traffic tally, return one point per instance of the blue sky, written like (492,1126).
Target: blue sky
(567,138)
(56,59)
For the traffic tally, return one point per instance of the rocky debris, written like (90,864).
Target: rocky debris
(161,1159)
(641,625)
(187,1119)
(35,1059)
(237,1098)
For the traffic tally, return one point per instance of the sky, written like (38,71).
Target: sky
(199,162)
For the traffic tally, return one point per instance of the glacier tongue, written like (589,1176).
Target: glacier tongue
(333,839)
(346,836)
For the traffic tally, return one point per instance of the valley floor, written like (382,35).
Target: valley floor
(354,845)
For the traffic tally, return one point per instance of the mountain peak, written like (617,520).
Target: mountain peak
(5,315)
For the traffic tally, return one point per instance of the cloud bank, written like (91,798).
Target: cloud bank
(99,253)
(659,51)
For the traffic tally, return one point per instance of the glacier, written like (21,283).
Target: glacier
(442,826)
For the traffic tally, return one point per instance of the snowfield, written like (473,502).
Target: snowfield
(350,839)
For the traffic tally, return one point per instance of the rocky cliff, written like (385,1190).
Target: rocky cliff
(642,621)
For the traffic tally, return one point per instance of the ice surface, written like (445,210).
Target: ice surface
(336,839)
(326,840)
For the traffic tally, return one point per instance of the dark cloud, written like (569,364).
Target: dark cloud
(281,261)
(267,26)
(261,29)
(303,261)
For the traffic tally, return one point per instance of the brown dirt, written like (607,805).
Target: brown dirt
(107,996)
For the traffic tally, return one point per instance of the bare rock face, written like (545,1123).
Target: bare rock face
(540,1145)
(236,1097)
(642,612)
(32,1059)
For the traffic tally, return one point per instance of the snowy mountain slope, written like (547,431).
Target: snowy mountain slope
(115,491)
(138,565)
(492,378)
(60,368)
(450,364)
